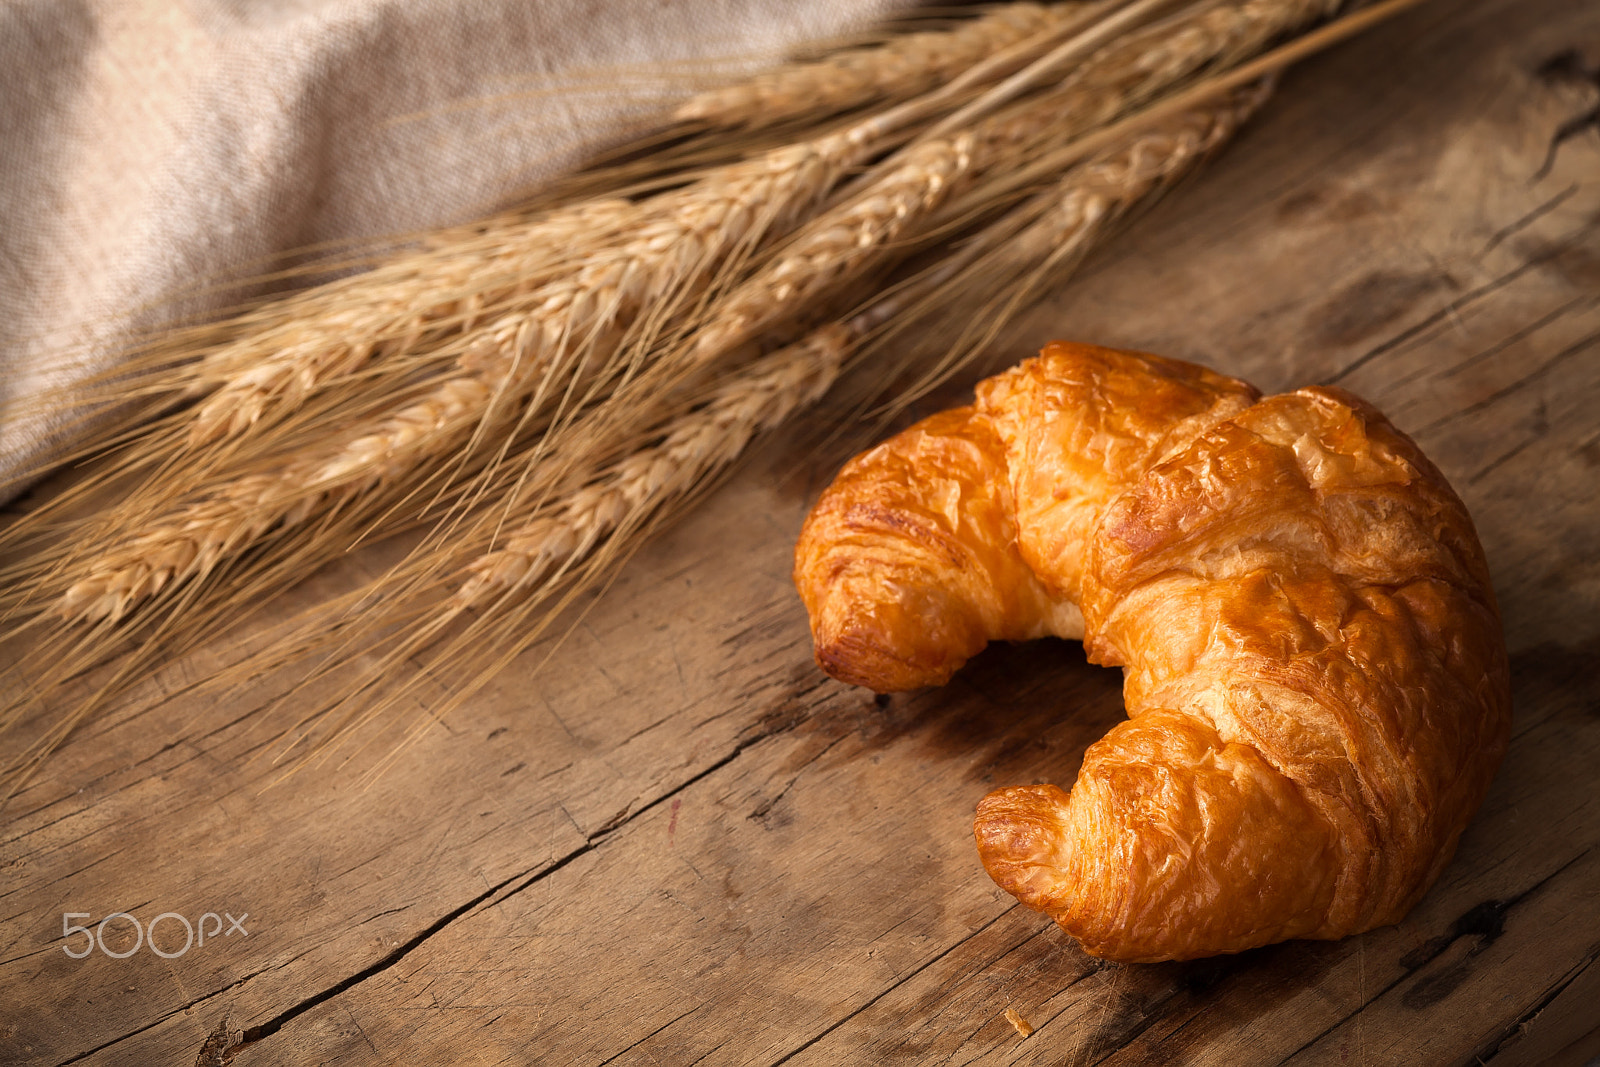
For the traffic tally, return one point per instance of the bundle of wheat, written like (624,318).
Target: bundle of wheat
(535,393)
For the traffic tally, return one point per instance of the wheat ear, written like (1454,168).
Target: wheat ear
(901,68)
(570,541)
(1043,239)
(513,583)
(766,393)
(676,243)
(607,293)
(191,539)
(1219,35)
(449,284)
(452,283)
(698,444)
(1114,181)
(838,244)
(679,239)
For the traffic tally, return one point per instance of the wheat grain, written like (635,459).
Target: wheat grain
(678,243)
(669,256)
(835,245)
(899,69)
(696,446)
(1115,180)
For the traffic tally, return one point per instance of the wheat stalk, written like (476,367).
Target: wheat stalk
(674,246)
(516,584)
(602,510)
(901,68)
(1219,35)
(520,547)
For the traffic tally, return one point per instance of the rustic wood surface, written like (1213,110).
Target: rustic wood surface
(677,842)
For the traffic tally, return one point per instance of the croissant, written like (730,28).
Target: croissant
(1315,675)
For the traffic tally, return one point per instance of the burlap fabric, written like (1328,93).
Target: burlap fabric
(151,147)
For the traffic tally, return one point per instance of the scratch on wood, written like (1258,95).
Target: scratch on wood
(1513,228)
(886,990)
(1568,66)
(1466,299)
(1500,394)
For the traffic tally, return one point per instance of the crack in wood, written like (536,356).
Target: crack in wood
(381,914)
(1506,1037)
(490,897)
(1568,67)
(1533,216)
(1522,333)
(266,1029)
(1468,925)
(1581,345)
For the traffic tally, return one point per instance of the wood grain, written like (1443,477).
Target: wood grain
(676,842)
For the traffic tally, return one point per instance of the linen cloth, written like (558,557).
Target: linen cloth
(149,148)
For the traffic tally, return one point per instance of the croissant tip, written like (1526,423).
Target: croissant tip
(1021,837)
(861,659)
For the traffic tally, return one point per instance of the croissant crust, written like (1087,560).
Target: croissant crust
(1314,672)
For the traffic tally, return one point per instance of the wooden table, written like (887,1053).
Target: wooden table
(678,842)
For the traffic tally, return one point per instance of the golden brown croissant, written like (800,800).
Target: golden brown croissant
(1316,681)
